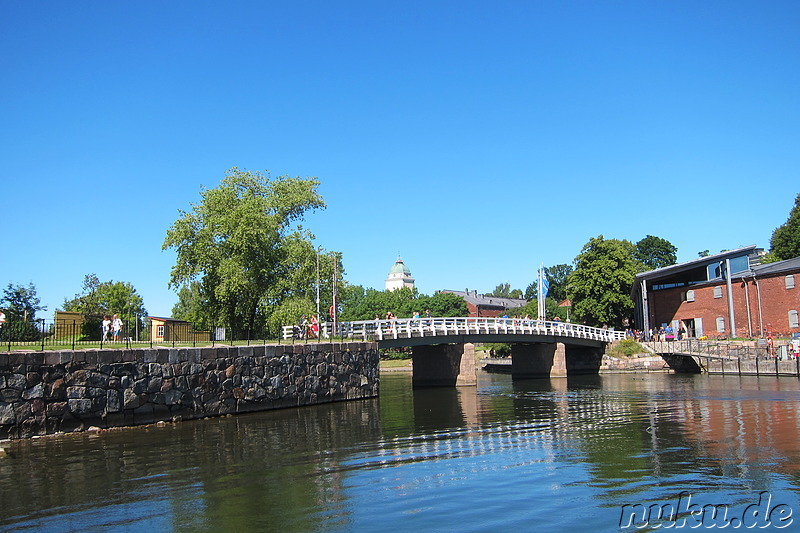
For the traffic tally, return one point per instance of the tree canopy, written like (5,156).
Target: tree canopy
(364,304)
(601,283)
(655,252)
(785,241)
(21,304)
(504,290)
(243,244)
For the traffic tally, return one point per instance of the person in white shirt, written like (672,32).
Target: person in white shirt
(116,328)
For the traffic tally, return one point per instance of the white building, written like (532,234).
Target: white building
(399,276)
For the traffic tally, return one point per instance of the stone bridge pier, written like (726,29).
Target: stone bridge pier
(554,360)
(444,365)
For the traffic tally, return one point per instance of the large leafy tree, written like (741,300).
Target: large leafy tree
(785,241)
(601,282)
(655,252)
(97,299)
(21,304)
(243,244)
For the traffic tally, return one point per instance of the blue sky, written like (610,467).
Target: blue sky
(477,139)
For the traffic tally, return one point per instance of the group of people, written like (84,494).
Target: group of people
(307,328)
(111,328)
(663,333)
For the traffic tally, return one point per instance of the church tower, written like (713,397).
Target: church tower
(399,276)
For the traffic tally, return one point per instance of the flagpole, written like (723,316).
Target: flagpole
(540,294)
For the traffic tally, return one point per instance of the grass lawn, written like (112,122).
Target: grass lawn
(395,363)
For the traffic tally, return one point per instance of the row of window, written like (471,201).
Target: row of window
(794,321)
(688,296)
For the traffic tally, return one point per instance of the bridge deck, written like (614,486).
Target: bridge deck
(459,329)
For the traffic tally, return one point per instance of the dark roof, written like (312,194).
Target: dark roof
(694,263)
(778,267)
(485,300)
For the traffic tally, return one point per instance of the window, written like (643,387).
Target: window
(689,296)
(794,321)
(790,281)
(739,264)
(160,331)
(720,324)
(717,292)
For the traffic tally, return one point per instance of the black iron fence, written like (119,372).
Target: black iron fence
(44,334)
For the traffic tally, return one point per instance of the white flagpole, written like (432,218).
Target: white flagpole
(540,294)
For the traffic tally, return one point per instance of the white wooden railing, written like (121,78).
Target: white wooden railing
(406,328)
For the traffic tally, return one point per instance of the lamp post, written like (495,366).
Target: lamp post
(319,248)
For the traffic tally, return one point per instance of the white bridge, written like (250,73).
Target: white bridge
(422,331)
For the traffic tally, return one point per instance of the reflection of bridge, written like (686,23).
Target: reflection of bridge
(443,348)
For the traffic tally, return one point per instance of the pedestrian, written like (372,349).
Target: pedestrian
(116,328)
(105,327)
(315,326)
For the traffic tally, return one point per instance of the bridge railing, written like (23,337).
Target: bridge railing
(406,328)
(713,349)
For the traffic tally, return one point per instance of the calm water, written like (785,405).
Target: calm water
(505,456)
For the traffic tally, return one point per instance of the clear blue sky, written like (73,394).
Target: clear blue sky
(477,139)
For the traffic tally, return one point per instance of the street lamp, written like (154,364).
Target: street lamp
(319,248)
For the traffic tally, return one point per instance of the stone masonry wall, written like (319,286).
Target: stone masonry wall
(51,392)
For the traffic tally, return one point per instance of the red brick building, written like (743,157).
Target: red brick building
(729,294)
(487,305)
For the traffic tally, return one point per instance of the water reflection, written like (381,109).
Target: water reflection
(505,454)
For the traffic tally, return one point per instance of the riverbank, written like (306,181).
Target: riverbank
(396,365)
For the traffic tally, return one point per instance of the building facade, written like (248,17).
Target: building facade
(487,305)
(399,276)
(724,295)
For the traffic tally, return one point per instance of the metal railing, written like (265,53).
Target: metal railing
(44,335)
(406,328)
(716,349)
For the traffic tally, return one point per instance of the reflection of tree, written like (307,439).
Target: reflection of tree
(286,464)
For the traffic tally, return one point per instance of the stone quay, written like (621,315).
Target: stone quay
(44,393)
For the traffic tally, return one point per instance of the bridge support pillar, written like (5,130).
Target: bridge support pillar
(554,360)
(545,360)
(444,365)
(583,360)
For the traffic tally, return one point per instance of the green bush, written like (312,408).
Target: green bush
(626,348)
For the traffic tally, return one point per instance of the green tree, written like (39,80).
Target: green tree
(557,276)
(504,290)
(21,302)
(601,283)
(443,304)
(364,304)
(531,309)
(192,306)
(655,252)
(243,243)
(785,241)
(21,305)
(107,298)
